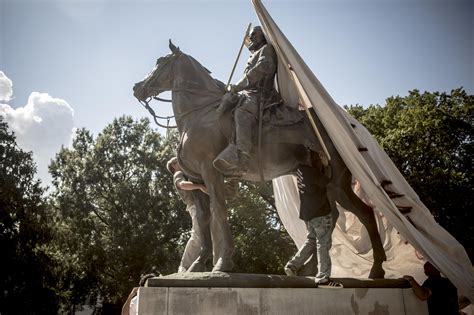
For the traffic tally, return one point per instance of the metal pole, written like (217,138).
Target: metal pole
(238,56)
(308,113)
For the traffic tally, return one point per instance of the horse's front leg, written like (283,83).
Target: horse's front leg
(203,218)
(221,233)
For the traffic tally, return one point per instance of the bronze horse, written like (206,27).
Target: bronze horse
(203,135)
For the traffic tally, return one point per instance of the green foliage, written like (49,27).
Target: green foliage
(25,277)
(261,243)
(115,215)
(429,136)
(120,217)
(119,214)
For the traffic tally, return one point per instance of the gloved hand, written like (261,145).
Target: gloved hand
(232,89)
(240,86)
(228,101)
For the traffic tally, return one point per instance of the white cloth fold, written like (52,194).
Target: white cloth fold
(297,84)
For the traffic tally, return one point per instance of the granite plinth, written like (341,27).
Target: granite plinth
(244,280)
(233,294)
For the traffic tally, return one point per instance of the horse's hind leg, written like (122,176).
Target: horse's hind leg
(350,201)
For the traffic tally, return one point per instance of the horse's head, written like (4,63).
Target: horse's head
(173,72)
(160,78)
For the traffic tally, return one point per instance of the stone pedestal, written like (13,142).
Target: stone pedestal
(228,294)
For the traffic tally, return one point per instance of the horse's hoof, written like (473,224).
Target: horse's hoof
(197,267)
(376,273)
(223,265)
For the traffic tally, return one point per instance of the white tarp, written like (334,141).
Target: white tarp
(369,168)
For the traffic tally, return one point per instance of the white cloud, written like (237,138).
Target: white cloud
(43,125)
(6,85)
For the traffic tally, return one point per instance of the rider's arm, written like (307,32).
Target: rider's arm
(266,65)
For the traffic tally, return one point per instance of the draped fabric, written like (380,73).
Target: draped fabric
(372,171)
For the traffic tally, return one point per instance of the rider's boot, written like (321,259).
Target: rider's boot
(243,139)
(232,163)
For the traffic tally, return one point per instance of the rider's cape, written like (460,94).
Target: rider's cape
(408,230)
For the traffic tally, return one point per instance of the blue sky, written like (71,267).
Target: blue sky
(90,53)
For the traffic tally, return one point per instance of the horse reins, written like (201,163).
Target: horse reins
(145,103)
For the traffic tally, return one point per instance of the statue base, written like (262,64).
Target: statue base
(234,293)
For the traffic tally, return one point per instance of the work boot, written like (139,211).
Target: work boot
(290,270)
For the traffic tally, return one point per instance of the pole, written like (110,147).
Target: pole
(303,97)
(238,56)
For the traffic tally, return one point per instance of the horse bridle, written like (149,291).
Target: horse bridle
(146,103)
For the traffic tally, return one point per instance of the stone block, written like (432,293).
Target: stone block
(230,301)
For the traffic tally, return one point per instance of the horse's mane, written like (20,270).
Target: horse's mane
(199,74)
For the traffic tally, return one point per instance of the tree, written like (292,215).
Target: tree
(262,245)
(119,213)
(120,216)
(429,136)
(26,280)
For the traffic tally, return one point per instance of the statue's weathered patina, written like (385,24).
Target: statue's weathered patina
(204,134)
(258,89)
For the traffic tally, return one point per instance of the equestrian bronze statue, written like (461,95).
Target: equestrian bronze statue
(280,139)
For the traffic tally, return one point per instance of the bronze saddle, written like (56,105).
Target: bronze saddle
(277,124)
